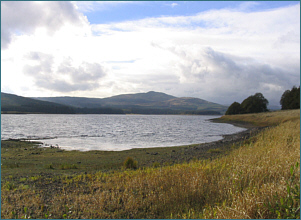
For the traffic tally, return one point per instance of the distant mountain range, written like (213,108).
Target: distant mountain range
(140,103)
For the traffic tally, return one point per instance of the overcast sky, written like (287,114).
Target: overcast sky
(218,51)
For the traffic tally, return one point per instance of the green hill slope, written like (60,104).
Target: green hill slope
(144,103)
(18,104)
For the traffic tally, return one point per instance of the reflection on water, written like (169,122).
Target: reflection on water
(114,132)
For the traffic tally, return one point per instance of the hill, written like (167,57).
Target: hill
(18,104)
(144,103)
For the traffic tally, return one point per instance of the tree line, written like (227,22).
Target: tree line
(290,99)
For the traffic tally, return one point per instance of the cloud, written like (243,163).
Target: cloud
(64,78)
(218,76)
(92,6)
(19,17)
(173,4)
(244,6)
(220,55)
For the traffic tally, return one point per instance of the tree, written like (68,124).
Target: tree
(290,99)
(234,108)
(255,104)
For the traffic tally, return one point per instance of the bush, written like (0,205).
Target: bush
(130,163)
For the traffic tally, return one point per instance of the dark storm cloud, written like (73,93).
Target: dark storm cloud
(65,78)
(18,17)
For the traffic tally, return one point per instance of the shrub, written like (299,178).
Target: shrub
(130,163)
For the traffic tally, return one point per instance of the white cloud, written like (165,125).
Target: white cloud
(174,4)
(19,18)
(92,6)
(218,55)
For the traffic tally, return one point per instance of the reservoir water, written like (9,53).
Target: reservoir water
(113,132)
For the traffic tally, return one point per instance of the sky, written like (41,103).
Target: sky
(220,51)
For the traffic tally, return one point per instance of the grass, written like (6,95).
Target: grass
(262,119)
(21,159)
(257,179)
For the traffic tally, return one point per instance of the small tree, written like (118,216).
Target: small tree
(290,99)
(234,108)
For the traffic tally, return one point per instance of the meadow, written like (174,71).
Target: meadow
(255,178)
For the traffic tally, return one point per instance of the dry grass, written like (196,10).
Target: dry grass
(238,185)
(264,119)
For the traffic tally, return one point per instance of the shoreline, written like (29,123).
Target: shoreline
(47,181)
(51,161)
(227,139)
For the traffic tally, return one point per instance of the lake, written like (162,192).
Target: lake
(113,132)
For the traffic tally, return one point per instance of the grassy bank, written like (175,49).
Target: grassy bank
(257,179)
(261,119)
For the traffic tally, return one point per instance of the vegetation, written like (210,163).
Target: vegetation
(290,99)
(261,119)
(234,109)
(259,178)
(17,104)
(130,163)
(140,103)
(253,104)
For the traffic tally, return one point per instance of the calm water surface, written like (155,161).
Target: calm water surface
(114,132)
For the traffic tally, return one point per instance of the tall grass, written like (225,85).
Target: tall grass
(249,182)
(264,119)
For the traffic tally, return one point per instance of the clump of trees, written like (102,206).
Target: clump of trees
(234,109)
(290,99)
(253,104)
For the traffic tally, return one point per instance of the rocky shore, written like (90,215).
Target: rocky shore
(217,148)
